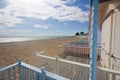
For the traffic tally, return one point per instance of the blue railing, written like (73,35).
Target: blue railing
(23,71)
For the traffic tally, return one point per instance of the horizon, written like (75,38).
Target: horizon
(43,17)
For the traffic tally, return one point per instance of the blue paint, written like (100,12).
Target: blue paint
(43,73)
(8,74)
(14,73)
(2,75)
(20,69)
(40,74)
(94,4)
(19,62)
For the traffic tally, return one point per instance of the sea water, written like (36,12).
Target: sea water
(18,39)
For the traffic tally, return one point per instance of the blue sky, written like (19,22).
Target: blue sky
(43,17)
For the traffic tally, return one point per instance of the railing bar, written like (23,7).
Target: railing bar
(70,69)
(2,75)
(60,68)
(30,75)
(56,66)
(9,74)
(14,73)
(20,76)
(25,73)
(33,74)
(22,73)
(39,77)
(36,76)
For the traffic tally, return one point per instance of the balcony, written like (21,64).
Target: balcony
(23,71)
(80,49)
(56,69)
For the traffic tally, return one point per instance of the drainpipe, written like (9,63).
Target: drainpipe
(94,40)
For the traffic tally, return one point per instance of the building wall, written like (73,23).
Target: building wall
(111,41)
(105,42)
(115,62)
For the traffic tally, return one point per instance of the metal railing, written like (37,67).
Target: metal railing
(74,70)
(23,71)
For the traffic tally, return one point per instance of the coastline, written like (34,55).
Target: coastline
(20,39)
(26,50)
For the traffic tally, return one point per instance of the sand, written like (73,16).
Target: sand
(26,50)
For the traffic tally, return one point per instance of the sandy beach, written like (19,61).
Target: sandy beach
(26,50)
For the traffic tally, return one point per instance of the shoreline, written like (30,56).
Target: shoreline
(22,39)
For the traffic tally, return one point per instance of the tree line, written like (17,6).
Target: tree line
(80,33)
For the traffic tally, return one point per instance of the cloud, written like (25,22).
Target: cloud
(42,26)
(7,20)
(15,30)
(40,9)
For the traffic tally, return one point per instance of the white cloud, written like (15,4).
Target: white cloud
(15,30)
(40,9)
(42,26)
(7,20)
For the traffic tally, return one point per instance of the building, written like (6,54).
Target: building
(109,28)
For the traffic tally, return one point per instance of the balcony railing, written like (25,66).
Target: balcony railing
(23,71)
(74,70)
(80,50)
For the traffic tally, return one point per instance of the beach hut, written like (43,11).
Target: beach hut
(109,26)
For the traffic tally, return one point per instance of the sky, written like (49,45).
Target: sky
(43,17)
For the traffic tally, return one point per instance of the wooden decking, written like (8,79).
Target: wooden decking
(71,69)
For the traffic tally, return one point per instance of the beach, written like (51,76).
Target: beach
(26,50)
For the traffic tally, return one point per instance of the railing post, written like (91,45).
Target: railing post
(19,65)
(43,75)
(14,73)
(9,74)
(3,76)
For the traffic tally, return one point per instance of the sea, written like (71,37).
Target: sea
(19,39)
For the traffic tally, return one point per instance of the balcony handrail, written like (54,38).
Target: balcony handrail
(79,64)
(22,65)
(86,66)
(63,60)
(109,70)
(8,67)
(49,74)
